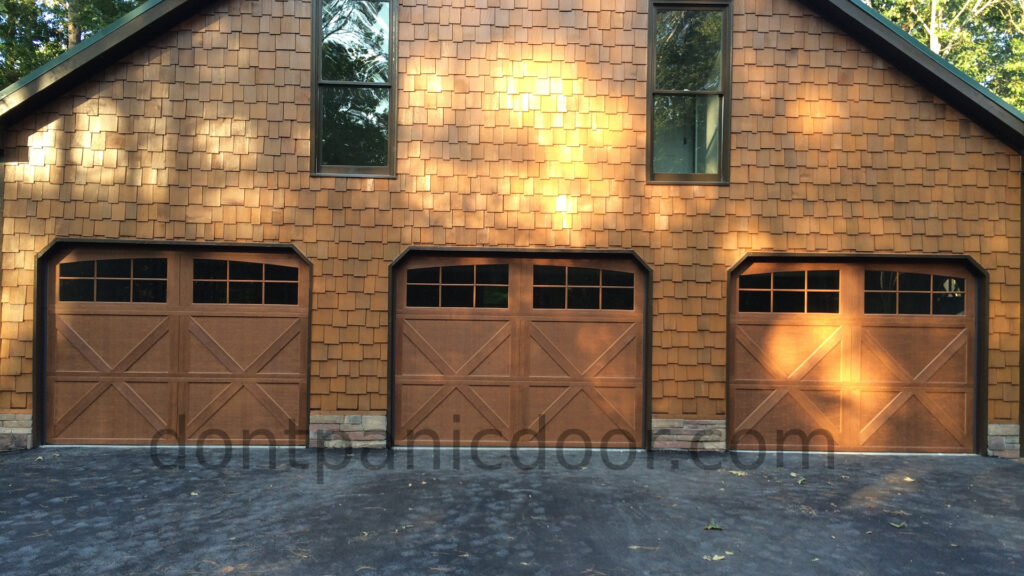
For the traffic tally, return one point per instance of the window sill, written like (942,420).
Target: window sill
(654,182)
(353,175)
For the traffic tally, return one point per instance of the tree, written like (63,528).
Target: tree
(983,38)
(33,32)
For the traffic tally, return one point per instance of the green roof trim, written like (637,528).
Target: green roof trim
(79,48)
(931,71)
(938,59)
(103,47)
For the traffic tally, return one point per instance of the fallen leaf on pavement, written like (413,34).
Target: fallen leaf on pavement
(898,524)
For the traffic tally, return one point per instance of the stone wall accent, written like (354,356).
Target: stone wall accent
(685,434)
(347,431)
(15,431)
(1004,440)
(203,134)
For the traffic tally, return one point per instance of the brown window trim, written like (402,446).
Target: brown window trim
(331,170)
(725,140)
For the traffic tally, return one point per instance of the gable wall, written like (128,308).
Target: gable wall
(204,135)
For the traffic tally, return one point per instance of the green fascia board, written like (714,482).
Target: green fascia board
(99,47)
(927,52)
(80,47)
(929,70)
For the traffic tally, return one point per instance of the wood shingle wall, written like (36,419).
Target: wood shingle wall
(504,105)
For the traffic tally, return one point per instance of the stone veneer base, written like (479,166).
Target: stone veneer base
(15,431)
(347,431)
(685,434)
(1004,440)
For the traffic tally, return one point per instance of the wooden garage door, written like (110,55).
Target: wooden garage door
(178,346)
(875,357)
(519,351)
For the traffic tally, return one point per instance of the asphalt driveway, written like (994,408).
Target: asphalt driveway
(130,511)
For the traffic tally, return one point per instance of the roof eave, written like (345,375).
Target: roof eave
(92,54)
(917,61)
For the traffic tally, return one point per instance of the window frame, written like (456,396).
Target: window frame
(724,92)
(806,290)
(316,118)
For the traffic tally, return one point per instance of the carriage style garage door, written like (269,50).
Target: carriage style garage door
(204,346)
(518,351)
(881,357)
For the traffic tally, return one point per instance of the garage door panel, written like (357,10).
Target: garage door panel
(76,356)
(789,410)
(454,413)
(509,366)
(415,360)
(623,363)
(458,346)
(578,417)
(237,410)
(246,341)
(200,359)
(916,422)
(110,409)
(285,358)
(913,349)
(142,331)
(544,362)
(788,351)
(899,381)
(112,343)
(584,345)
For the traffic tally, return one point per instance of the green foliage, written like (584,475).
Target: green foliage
(27,39)
(32,32)
(983,38)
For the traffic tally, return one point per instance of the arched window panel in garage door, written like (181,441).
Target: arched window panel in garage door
(890,368)
(131,352)
(140,280)
(518,372)
(458,286)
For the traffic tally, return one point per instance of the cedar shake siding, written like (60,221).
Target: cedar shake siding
(520,125)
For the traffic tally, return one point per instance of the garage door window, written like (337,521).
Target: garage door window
(888,292)
(465,286)
(811,291)
(581,288)
(236,282)
(114,280)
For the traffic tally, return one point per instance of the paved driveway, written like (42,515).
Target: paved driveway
(115,511)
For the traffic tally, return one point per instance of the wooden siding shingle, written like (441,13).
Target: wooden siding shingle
(203,135)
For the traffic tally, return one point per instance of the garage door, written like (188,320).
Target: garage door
(176,345)
(518,351)
(874,357)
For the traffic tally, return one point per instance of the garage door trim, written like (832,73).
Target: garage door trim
(971,265)
(60,246)
(523,253)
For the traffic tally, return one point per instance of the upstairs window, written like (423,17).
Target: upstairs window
(354,64)
(689,92)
